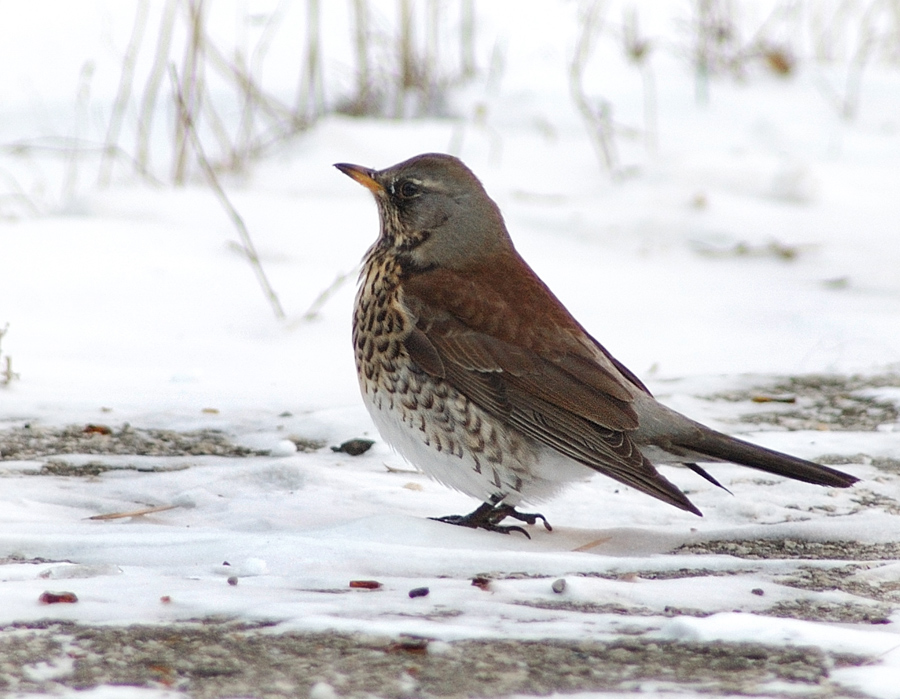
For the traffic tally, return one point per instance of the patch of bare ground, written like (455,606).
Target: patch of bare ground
(215,660)
(24,443)
(795,549)
(821,402)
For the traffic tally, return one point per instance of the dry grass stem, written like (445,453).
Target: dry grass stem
(248,247)
(190,90)
(316,306)
(7,375)
(364,98)
(597,115)
(249,97)
(151,88)
(123,93)
(136,513)
(310,95)
(82,104)
(405,56)
(638,49)
(467,39)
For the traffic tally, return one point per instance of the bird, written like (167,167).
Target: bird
(475,372)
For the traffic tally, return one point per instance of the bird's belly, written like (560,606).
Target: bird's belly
(452,440)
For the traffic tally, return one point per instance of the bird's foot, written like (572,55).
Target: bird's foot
(488,516)
(527,517)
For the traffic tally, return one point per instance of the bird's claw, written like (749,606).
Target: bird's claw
(529,518)
(488,516)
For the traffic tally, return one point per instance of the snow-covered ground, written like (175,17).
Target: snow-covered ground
(761,242)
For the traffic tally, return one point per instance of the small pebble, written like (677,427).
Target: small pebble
(57,598)
(409,645)
(418,592)
(559,586)
(232,580)
(354,447)
(365,584)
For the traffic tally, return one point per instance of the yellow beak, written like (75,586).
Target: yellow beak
(362,175)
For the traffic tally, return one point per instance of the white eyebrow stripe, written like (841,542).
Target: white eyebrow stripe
(424,184)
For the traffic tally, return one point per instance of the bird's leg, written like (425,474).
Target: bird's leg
(488,516)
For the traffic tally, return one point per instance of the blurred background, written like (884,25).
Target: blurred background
(143,90)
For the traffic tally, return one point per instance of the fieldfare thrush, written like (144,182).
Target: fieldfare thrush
(475,372)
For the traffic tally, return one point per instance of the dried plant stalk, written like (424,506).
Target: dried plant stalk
(597,119)
(151,89)
(123,93)
(7,375)
(249,249)
(310,98)
(191,90)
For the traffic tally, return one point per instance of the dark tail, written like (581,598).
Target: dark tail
(725,448)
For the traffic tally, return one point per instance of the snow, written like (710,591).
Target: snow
(127,305)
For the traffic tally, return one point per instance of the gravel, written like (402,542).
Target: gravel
(24,443)
(796,549)
(822,402)
(218,660)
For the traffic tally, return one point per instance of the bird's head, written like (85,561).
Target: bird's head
(434,212)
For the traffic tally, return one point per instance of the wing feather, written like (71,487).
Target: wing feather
(539,371)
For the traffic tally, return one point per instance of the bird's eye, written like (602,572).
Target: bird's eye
(408,189)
